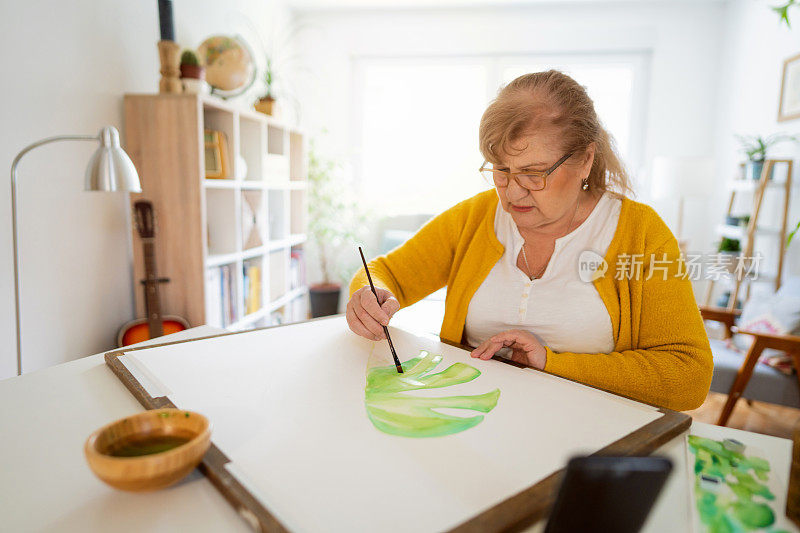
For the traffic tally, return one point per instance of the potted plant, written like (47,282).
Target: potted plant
(729,251)
(725,298)
(732,220)
(266,102)
(727,245)
(283,66)
(334,225)
(193,74)
(755,148)
(744,220)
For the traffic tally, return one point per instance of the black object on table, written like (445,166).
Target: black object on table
(604,493)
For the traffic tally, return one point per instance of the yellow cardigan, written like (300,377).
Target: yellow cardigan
(662,355)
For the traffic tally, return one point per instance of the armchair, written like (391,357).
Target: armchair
(739,376)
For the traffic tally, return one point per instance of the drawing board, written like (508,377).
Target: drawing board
(288,412)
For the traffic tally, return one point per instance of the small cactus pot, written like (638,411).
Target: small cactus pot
(193,71)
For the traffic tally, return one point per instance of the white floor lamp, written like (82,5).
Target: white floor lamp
(110,169)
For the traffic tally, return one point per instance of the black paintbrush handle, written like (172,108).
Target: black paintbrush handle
(385,329)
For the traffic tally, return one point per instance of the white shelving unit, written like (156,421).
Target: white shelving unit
(206,222)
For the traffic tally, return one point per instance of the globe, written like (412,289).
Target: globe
(228,62)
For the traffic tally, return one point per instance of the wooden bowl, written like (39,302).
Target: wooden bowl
(150,450)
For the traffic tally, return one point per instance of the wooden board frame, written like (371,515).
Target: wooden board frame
(512,514)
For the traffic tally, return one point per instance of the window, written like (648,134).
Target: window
(417,120)
(419,134)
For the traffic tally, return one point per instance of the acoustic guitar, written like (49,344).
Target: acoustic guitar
(155,325)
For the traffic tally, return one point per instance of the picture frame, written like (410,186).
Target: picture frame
(789,103)
(216,155)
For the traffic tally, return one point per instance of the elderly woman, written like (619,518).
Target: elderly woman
(552,268)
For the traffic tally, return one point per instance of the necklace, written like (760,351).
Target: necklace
(525,256)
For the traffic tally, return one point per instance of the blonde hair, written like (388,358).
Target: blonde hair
(552,98)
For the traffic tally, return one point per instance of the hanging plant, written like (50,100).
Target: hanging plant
(783,12)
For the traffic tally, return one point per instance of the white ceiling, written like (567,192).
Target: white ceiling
(330,5)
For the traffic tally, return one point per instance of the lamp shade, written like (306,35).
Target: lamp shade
(110,168)
(682,177)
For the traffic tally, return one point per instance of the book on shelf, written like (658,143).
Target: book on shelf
(227,301)
(221,296)
(297,269)
(232,294)
(213,297)
(252,287)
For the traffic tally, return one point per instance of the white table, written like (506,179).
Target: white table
(45,483)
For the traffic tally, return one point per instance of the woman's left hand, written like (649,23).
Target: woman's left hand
(525,348)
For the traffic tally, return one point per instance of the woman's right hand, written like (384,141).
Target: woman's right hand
(366,315)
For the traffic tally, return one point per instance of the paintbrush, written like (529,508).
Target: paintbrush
(385,329)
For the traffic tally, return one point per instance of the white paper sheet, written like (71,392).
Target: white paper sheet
(777,485)
(287,406)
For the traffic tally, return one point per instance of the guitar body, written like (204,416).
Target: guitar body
(156,324)
(139,330)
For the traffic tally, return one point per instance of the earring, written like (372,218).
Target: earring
(585,184)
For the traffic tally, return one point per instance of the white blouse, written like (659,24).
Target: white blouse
(562,311)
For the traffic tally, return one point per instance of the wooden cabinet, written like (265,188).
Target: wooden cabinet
(232,248)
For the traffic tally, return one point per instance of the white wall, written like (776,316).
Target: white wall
(682,37)
(748,92)
(66,66)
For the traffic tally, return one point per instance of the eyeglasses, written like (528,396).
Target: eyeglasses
(529,179)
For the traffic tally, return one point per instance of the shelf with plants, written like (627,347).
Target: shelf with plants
(227,235)
(755,226)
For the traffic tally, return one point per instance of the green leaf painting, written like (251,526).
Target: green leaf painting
(392,410)
(731,494)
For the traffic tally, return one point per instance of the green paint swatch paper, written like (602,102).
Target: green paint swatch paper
(393,410)
(731,488)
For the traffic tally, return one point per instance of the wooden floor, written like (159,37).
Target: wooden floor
(766,418)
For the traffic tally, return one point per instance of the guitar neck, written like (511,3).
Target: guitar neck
(152,303)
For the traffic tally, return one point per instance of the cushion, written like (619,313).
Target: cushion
(777,314)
